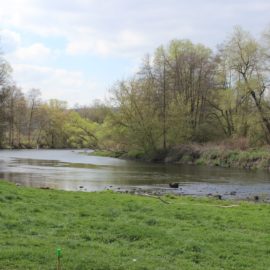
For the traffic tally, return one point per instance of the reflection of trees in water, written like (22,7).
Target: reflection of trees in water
(69,176)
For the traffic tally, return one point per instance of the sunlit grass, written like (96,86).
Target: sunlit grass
(120,231)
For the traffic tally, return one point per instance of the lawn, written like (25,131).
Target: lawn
(107,230)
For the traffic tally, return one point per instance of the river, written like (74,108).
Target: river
(74,170)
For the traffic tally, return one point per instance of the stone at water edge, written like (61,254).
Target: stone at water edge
(219,197)
(174,185)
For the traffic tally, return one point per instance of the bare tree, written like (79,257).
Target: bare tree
(34,102)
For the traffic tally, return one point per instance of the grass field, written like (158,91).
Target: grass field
(120,231)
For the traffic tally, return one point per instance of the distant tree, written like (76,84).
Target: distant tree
(15,111)
(34,102)
(95,112)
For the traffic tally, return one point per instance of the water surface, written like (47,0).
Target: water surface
(72,170)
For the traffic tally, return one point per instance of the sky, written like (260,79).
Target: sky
(75,50)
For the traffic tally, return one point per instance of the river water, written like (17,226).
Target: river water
(74,170)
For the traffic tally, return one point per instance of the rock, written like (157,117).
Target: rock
(219,197)
(45,188)
(233,193)
(81,186)
(174,185)
(18,184)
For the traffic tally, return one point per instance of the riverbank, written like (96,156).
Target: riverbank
(120,231)
(214,155)
(196,154)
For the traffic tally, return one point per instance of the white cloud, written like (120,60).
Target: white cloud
(126,42)
(10,40)
(117,30)
(119,27)
(62,84)
(35,52)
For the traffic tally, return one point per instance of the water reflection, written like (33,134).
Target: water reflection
(67,169)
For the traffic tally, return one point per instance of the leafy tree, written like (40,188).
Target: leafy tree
(250,74)
(80,131)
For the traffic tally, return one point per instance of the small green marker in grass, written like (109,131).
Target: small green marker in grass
(59,255)
(59,252)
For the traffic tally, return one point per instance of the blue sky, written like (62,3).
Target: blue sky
(75,50)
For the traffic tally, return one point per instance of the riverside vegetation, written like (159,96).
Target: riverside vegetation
(184,94)
(227,156)
(186,104)
(106,230)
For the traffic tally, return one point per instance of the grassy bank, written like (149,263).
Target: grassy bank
(106,153)
(214,155)
(120,231)
(210,155)
(249,159)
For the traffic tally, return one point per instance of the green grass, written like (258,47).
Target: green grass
(132,154)
(120,231)
(135,154)
(248,159)
(106,153)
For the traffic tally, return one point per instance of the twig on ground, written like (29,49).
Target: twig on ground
(155,197)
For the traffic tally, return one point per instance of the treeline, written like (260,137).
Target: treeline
(182,93)
(187,93)
(28,122)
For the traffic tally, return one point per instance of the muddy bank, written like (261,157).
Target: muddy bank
(219,192)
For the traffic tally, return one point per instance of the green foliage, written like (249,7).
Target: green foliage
(136,117)
(111,136)
(80,132)
(183,93)
(249,159)
(54,115)
(135,154)
(159,108)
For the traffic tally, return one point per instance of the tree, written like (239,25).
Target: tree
(34,101)
(15,110)
(80,132)
(54,117)
(136,114)
(250,73)
(5,71)
(96,112)
(192,74)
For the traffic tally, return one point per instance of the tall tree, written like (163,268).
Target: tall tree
(34,101)
(250,73)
